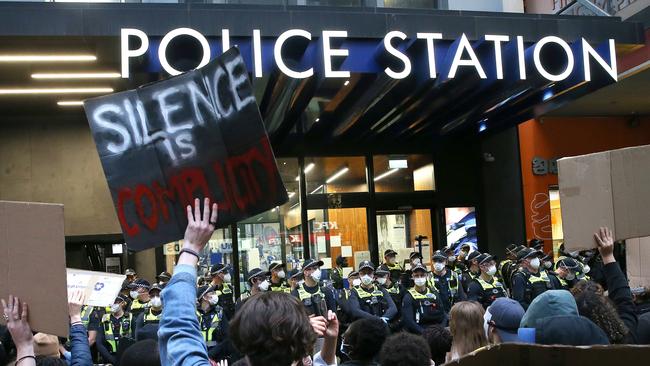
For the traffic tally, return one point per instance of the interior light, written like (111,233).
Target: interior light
(347,82)
(385,174)
(24,91)
(291,194)
(317,119)
(117,249)
(70,103)
(398,163)
(337,174)
(294,206)
(317,189)
(76,75)
(47,58)
(309,167)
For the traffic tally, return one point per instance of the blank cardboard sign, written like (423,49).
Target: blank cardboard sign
(32,261)
(610,189)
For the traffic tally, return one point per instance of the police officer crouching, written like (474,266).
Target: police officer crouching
(212,319)
(446,282)
(221,283)
(146,325)
(529,281)
(316,298)
(369,300)
(421,305)
(116,332)
(486,288)
(278,277)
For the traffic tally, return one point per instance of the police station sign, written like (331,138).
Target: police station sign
(506,56)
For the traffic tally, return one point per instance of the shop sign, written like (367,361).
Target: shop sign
(543,166)
(172,248)
(441,59)
(327,225)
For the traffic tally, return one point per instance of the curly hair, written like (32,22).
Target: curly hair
(405,349)
(590,286)
(365,337)
(600,310)
(272,329)
(439,340)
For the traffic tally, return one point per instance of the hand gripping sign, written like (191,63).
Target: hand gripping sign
(199,134)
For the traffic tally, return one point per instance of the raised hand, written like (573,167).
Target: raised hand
(605,241)
(200,225)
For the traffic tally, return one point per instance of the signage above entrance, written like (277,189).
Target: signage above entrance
(398,55)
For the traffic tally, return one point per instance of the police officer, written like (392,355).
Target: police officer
(396,292)
(452,261)
(529,282)
(465,248)
(90,318)
(317,299)
(258,282)
(391,265)
(140,295)
(547,262)
(486,288)
(422,305)
(445,282)
(295,279)
(415,258)
(343,311)
(506,266)
(212,319)
(369,300)
(130,275)
(116,331)
(472,270)
(337,272)
(163,279)
(221,278)
(565,273)
(537,244)
(146,324)
(278,277)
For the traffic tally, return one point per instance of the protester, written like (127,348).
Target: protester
(362,342)
(501,321)
(439,340)
(405,349)
(466,327)
(146,353)
(16,315)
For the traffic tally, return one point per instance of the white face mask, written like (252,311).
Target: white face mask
(115,308)
(586,269)
(570,276)
(227,278)
(420,281)
(281,274)
(486,323)
(133,294)
(356,282)
(381,281)
(156,302)
(301,282)
(452,258)
(366,280)
(316,275)
(534,263)
(548,264)
(264,286)
(416,261)
(214,300)
(491,271)
(438,266)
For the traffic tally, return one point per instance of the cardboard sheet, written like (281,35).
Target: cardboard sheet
(100,288)
(32,262)
(610,189)
(637,252)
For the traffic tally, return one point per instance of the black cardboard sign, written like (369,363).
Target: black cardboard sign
(199,134)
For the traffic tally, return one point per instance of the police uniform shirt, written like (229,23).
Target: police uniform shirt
(485,292)
(444,286)
(526,286)
(226,299)
(281,286)
(91,317)
(373,302)
(330,301)
(146,325)
(206,320)
(422,309)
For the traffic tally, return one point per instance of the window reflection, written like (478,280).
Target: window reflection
(335,175)
(403,173)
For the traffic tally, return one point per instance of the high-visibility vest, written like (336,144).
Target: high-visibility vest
(491,291)
(426,306)
(137,306)
(283,287)
(314,303)
(149,317)
(215,324)
(86,312)
(374,300)
(452,284)
(109,333)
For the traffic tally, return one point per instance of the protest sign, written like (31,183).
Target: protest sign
(32,258)
(100,288)
(610,188)
(198,134)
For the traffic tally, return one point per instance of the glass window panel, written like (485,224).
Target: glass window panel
(335,174)
(404,173)
(398,230)
(461,227)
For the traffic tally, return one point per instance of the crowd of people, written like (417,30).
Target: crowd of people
(385,315)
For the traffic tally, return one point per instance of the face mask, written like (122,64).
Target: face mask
(264,286)
(486,323)
(534,263)
(586,269)
(381,281)
(156,302)
(366,280)
(420,281)
(392,260)
(133,294)
(574,254)
(491,271)
(227,278)
(438,267)
(301,282)
(214,300)
(570,276)
(548,264)
(316,275)
(416,261)
(356,282)
(452,258)
(115,308)
(281,274)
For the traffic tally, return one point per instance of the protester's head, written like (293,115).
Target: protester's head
(502,319)
(439,340)
(311,271)
(142,353)
(550,303)
(486,264)
(272,329)
(602,312)
(382,276)
(439,261)
(570,330)
(278,272)
(220,273)
(362,341)
(466,326)
(584,285)
(405,349)
(419,275)
(50,361)
(46,345)
(353,279)
(390,256)
(258,280)
(366,273)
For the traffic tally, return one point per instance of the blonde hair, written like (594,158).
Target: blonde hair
(466,326)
